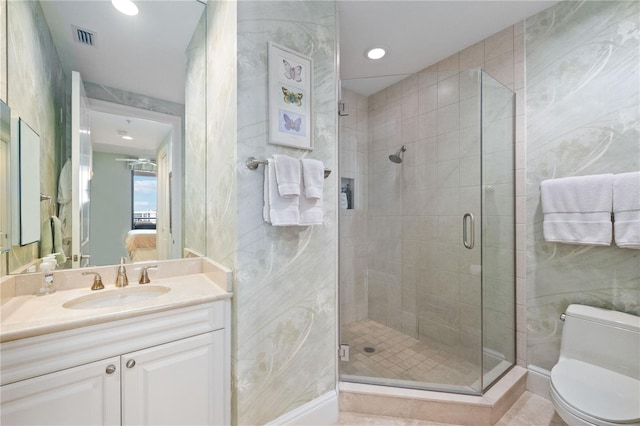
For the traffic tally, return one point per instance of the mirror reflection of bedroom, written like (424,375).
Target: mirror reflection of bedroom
(129,215)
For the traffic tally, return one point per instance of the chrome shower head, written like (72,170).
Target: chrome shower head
(397,158)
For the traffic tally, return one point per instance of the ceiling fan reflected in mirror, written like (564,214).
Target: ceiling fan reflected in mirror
(133,162)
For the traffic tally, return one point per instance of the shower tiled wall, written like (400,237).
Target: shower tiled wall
(420,279)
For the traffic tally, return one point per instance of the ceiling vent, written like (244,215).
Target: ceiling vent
(83,36)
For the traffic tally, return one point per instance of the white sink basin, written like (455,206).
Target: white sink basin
(125,296)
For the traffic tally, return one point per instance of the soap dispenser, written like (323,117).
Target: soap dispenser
(121,278)
(47,266)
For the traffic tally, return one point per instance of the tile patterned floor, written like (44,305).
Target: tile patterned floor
(528,410)
(399,356)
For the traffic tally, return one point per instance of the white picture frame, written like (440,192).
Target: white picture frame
(290,98)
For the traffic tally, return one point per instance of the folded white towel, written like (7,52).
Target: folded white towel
(278,210)
(577,210)
(58,248)
(626,210)
(287,175)
(312,177)
(310,211)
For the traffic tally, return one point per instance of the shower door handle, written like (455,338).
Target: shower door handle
(468,242)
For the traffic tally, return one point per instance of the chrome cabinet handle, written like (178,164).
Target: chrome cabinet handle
(131,363)
(111,369)
(468,242)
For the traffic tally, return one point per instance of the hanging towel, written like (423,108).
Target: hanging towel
(577,210)
(310,211)
(46,238)
(312,177)
(626,210)
(56,226)
(287,172)
(64,200)
(278,210)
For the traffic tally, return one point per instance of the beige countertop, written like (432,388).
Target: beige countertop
(25,316)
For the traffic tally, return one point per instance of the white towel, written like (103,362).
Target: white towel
(56,226)
(311,211)
(278,210)
(577,210)
(287,175)
(46,238)
(626,210)
(312,177)
(64,199)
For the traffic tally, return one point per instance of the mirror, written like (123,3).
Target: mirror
(24,142)
(142,75)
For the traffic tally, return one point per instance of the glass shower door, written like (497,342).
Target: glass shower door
(426,248)
(498,229)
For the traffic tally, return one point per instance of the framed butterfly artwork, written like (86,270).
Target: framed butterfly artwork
(290,82)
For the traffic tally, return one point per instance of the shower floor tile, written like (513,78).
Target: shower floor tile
(397,356)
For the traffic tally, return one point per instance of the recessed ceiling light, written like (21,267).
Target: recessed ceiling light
(127,138)
(125,6)
(376,53)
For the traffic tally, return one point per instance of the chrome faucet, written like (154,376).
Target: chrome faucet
(144,275)
(121,278)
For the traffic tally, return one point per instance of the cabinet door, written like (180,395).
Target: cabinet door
(84,395)
(178,383)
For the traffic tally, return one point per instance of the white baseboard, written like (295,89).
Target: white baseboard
(538,381)
(321,411)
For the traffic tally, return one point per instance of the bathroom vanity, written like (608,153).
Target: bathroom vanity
(164,359)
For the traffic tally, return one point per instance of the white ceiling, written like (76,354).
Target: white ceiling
(143,54)
(417,34)
(107,131)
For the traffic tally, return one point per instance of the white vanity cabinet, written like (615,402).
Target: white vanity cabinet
(170,368)
(176,383)
(83,395)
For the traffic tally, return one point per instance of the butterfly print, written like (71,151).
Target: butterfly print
(292,124)
(292,73)
(292,97)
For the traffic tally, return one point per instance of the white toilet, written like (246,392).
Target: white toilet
(597,378)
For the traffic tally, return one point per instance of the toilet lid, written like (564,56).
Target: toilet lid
(597,392)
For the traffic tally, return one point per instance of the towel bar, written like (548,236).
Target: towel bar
(253,164)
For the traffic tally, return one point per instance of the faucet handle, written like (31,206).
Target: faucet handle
(144,275)
(97,280)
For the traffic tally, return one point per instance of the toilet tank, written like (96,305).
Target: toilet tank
(606,338)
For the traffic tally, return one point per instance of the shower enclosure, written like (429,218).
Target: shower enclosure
(427,256)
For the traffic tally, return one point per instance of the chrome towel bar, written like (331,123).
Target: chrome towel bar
(253,164)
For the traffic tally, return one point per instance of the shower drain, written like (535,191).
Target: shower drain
(369,349)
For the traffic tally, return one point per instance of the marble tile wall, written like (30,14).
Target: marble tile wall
(583,117)
(36,93)
(3,91)
(354,147)
(3,50)
(421,279)
(195,151)
(284,305)
(221,150)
